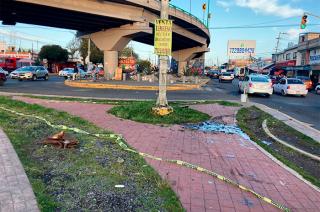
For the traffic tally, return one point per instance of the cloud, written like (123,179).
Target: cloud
(224,4)
(293,33)
(270,7)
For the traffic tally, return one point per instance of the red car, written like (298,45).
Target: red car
(3,78)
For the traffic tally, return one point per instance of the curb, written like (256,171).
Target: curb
(86,84)
(290,121)
(267,131)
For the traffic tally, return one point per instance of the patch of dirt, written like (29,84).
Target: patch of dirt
(254,122)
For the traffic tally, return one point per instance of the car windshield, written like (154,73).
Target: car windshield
(226,74)
(26,68)
(259,79)
(294,81)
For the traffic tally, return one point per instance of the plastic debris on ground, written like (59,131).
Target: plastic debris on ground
(210,126)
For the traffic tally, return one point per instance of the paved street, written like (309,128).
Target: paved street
(304,109)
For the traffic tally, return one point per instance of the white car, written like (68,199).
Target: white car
(226,76)
(256,84)
(5,72)
(318,89)
(64,72)
(290,86)
(68,72)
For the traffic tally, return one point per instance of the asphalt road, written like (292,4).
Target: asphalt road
(304,109)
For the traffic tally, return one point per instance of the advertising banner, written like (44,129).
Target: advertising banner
(315,57)
(241,48)
(163,37)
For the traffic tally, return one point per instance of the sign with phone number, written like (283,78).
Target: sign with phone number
(242,50)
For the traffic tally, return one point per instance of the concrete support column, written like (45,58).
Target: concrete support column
(110,63)
(182,66)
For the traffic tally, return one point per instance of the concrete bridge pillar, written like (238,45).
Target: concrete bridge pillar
(110,63)
(182,67)
(185,55)
(112,41)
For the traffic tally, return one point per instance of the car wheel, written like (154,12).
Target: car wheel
(303,95)
(46,78)
(20,80)
(66,77)
(318,91)
(267,95)
(34,77)
(283,93)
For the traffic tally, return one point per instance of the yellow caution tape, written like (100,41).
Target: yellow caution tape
(120,141)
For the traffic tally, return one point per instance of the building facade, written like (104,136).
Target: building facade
(303,58)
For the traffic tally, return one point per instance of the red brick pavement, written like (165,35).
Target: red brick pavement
(228,155)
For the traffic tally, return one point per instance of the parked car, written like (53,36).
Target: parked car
(225,76)
(256,84)
(307,81)
(4,71)
(318,89)
(213,74)
(3,78)
(30,73)
(290,86)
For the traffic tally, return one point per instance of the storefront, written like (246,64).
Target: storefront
(314,59)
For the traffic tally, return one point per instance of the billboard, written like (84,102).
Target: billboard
(241,48)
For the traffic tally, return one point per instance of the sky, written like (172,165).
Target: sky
(225,13)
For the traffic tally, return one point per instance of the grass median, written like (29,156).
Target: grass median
(250,121)
(142,112)
(84,178)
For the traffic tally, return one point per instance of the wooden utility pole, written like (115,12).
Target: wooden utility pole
(162,98)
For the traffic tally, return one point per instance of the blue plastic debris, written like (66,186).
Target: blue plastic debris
(210,126)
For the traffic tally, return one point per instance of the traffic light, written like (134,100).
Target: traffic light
(204,6)
(304,21)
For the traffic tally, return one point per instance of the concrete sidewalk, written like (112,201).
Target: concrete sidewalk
(229,155)
(294,123)
(15,190)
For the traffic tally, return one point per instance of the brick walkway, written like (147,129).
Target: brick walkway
(229,155)
(15,190)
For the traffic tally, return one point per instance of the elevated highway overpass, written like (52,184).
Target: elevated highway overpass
(112,24)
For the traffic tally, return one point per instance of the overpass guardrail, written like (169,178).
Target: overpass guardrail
(190,14)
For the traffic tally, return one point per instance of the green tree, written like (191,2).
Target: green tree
(96,55)
(128,52)
(53,53)
(144,66)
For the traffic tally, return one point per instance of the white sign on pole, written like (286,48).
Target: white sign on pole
(241,48)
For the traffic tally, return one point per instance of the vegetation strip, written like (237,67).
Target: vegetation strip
(120,142)
(267,131)
(250,121)
(142,112)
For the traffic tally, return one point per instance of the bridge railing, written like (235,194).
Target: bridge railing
(189,14)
